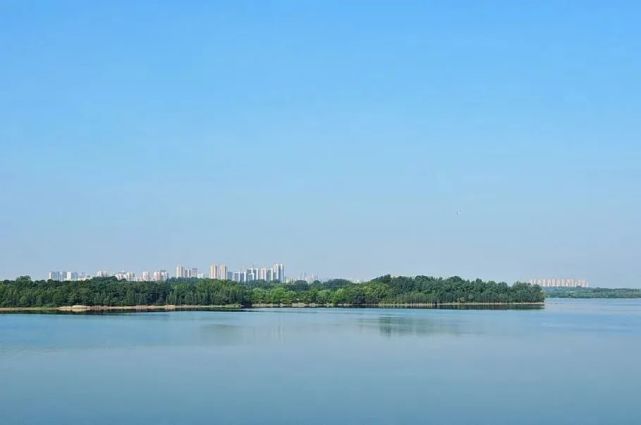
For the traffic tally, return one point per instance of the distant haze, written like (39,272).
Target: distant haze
(498,140)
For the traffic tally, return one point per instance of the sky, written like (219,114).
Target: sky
(490,139)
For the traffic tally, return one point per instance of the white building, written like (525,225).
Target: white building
(180,271)
(278,272)
(57,276)
(252,274)
(223,272)
(262,273)
(240,277)
(161,275)
(560,283)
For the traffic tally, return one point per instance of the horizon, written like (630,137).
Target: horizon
(343,139)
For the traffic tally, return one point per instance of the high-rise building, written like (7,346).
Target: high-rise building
(240,277)
(71,276)
(252,274)
(213,271)
(161,275)
(122,275)
(186,272)
(279,272)
(223,272)
(181,271)
(57,276)
(262,273)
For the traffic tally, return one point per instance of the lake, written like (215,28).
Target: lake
(573,362)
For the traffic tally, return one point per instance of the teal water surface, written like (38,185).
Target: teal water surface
(573,362)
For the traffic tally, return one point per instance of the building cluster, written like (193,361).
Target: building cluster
(146,276)
(187,272)
(68,276)
(156,276)
(275,273)
(560,283)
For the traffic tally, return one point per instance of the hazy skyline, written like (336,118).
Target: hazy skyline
(498,140)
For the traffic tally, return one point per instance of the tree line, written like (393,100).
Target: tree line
(593,292)
(386,290)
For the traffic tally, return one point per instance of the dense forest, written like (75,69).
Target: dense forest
(592,293)
(385,290)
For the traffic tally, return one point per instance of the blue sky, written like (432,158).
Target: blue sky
(486,139)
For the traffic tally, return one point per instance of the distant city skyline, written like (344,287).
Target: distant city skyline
(234,274)
(275,272)
(560,283)
(138,273)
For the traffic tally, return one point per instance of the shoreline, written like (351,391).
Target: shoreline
(105,308)
(171,307)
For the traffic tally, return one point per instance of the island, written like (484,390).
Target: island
(103,294)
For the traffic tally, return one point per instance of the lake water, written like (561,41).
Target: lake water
(574,362)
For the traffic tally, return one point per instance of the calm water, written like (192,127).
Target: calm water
(575,362)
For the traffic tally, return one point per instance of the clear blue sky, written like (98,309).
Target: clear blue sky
(492,139)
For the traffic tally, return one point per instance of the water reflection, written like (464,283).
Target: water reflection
(221,334)
(284,366)
(412,325)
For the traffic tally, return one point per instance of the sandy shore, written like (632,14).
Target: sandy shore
(142,308)
(98,308)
